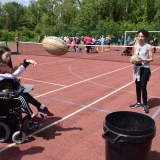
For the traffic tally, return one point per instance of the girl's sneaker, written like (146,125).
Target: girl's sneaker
(45,111)
(136,105)
(146,108)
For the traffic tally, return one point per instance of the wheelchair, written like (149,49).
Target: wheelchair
(13,118)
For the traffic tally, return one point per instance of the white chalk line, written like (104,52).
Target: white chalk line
(54,62)
(42,81)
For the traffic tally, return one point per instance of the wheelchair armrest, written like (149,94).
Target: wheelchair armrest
(17,94)
(12,94)
(4,94)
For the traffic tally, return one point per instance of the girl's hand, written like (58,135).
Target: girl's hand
(138,61)
(31,62)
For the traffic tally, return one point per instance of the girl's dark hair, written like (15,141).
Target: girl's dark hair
(144,32)
(4,49)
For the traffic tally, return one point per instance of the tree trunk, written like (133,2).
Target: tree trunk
(127,9)
(111,10)
(79,2)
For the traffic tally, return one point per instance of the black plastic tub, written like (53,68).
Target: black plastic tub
(128,135)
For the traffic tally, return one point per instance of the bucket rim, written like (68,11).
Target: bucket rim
(125,131)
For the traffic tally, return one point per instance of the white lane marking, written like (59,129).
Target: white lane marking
(54,62)
(43,81)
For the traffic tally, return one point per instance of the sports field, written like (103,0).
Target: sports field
(80,90)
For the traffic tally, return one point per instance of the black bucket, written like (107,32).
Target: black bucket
(128,135)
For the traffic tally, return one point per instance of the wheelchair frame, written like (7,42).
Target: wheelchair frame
(11,119)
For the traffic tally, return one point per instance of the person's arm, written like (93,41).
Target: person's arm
(9,73)
(151,56)
(133,42)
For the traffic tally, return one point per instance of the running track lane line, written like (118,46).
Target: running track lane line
(54,62)
(42,81)
(82,81)
(70,115)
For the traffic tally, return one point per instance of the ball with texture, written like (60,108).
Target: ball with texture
(133,58)
(55,45)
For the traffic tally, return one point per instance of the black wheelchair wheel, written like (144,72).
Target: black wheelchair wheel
(28,125)
(5,132)
(18,137)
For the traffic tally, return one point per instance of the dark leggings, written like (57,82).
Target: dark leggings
(154,49)
(26,98)
(88,48)
(141,86)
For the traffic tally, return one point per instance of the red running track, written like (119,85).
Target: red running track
(80,93)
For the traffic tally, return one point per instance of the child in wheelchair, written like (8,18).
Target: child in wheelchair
(127,51)
(9,83)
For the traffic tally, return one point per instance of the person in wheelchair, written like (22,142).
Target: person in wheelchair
(9,81)
(127,51)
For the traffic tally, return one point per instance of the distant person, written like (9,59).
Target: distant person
(108,41)
(119,41)
(16,38)
(39,39)
(77,38)
(74,43)
(102,39)
(128,40)
(88,43)
(82,40)
(113,39)
(93,40)
(122,40)
(68,42)
(154,43)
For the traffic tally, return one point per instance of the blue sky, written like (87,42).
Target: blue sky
(24,2)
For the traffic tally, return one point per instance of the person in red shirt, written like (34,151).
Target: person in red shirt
(68,42)
(88,43)
(17,38)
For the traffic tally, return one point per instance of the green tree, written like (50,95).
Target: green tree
(11,12)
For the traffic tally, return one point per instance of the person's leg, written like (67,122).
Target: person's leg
(138,91)
(154,50)
(31,100)
(102,48)
(26,107)
(74,48)
(41,108)
(138,95)
(145,74)
(87,49)
(24,104)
